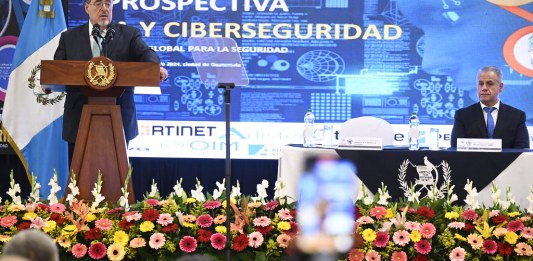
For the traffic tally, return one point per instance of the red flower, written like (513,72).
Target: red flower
(358,213)
(469,227)
(23,225)
(93,234)
(293,231)
(504,249)
(204,236)
(115,212)
(264,230)
(420,258)
(213,204)
(423,247)
(204,221)
(425,212)
(469,214)
(170,228)
(271,205)
(240,243)
(43,207)
(489,246)
(125,225)
(150,215)
(356,255)
(499,219)
(97,251)
(57,218)
(382,238)
(188,244)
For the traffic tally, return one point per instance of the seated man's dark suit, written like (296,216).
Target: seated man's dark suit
(510,126)
(127,46)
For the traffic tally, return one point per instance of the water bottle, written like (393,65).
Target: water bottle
(309,120)
(414,132)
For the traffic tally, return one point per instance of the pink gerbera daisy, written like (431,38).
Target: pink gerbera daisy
(401,237)
(262,221)
(398,256)
(364,220)
(255,239)
(456,225)
(188,244)
(423,247)
(427,230)
(133,216)
(97,251)
(57,208)
(373,255)
(469,214)
(271,205)
(523,249)
(8,221)
(527,232)
(152,202)
(157,240)
(378,212)
(103,224)
(213,204)
(475,241)
(204,221)
(457,254)
(137,242)
(165,219)
(79,250)
(285,214)
(283,240)
(356,255)
(382,238)
(410,225)
(218,241)
(515,225)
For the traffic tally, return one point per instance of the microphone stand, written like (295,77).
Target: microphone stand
(227,95)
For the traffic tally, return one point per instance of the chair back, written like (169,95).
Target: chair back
(368,126)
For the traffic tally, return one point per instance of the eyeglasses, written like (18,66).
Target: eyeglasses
(100,4)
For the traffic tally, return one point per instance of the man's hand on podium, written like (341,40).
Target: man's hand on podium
(163,74)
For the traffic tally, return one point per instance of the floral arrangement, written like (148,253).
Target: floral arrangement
(435,227)
(432,227)
(156,228)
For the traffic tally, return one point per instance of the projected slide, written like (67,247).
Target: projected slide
(341,58)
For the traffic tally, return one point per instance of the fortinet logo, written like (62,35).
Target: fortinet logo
(188,131)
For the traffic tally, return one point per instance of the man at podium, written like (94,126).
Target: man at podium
(117,42)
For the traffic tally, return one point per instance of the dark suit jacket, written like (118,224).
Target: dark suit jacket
(510,126)
(127,46)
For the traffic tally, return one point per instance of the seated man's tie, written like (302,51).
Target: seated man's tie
(490,121)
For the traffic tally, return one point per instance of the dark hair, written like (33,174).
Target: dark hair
(32,244)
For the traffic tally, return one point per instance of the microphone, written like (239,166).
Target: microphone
(96,35)
(109,35)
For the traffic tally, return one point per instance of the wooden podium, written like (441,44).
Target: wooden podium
(100,144)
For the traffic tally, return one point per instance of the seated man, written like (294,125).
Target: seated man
(490,118)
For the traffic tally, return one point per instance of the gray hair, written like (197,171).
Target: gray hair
(493,69)
(32,244)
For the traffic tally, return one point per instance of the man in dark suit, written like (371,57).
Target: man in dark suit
(126,45)
(508,122)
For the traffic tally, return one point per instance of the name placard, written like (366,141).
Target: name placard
(361,143)
(489,145)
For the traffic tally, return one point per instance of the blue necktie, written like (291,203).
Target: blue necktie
(490,120)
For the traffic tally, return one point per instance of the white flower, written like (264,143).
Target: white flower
(54,188)
(197,193)
(495,194)
(153,190)
(96,192)
(217,193)
(279,189)
(261,192)
(383,195)
(74,190)
(236,191)
(452,199)
(471,197)
(509,199)
(35,189)
(178,190)
(530,199)
(412,195)
(12,192)
(123,201)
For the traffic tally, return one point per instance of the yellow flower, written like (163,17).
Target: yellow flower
(389,214)
(121,238)
(29,216)
(68,230)
(511,237)
(221,229)
(116,252)
(190,200)
(63,241)
(232,200)
(459,237)
(90,217)
(147,226)
(284,225)
(15,208)
(415,236)
(4,238)
(369,235)
(187,224)
(49,226)
(514,214)
(451,215)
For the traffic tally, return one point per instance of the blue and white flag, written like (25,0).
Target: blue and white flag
(31,117)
